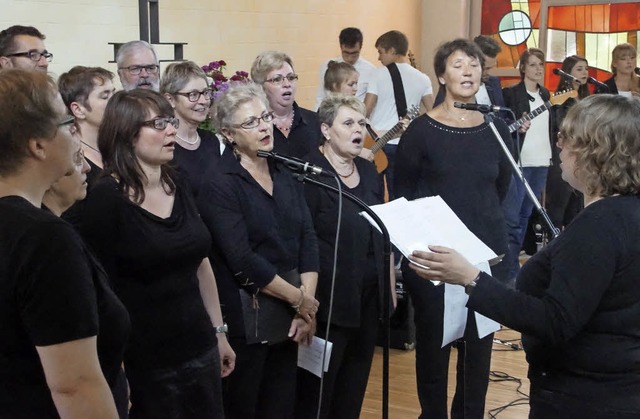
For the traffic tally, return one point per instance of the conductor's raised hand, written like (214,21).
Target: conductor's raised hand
(444,264)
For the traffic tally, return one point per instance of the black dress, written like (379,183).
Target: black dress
(468,169)
(51,292)
(358,287)
(152,263)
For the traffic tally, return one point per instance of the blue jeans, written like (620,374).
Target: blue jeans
(517,208)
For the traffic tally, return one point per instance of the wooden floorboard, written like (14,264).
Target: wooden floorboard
(403,398)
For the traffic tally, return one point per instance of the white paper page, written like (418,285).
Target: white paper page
(454,319)
(485,324)
(413,225)
(310,357)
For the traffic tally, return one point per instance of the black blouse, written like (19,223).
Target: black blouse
(152,264)
(358,265)
(255,235)
(304,136)
(193,164)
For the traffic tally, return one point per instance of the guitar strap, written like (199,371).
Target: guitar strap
(398,90)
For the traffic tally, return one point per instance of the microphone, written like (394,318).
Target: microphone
(598,83)
(637,71)
(479,107)
(568,76)
(294,164)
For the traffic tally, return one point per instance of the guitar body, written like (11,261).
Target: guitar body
(379,158)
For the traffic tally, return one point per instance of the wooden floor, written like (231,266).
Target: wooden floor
(403,399)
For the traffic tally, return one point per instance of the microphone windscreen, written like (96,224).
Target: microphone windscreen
(556,71)
(637,70)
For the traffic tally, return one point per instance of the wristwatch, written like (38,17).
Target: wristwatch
(468,289)
(222,329)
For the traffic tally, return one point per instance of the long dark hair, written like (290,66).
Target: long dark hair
(123,118)
(567,66)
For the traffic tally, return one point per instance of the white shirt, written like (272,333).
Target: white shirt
(536,149)
(482,97)
(415,85)
(362,66)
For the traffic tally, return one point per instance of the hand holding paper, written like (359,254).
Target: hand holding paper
(443,264)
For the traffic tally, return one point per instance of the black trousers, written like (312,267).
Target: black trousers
(346,381)
(263,383)
(546,404)
(190,390)
(432,361)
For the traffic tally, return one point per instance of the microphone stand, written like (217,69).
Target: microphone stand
(386,286)
(555,231)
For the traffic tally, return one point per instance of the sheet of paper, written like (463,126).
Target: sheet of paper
(310,357)
(414,225)
(485,324)
(454,319)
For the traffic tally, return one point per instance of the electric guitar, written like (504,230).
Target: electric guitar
(375,144)
(558,98)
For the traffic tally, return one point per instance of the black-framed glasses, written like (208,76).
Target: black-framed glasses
(33,55)
(137,69)
(194,95)
(278,80)
(160,123)
(254,121)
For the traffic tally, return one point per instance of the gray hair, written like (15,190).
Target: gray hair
(126,49)
(177,75)
(226,106)
(331,105)
(267,62)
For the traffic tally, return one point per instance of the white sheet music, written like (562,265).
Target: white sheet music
(414,225)
(310,357)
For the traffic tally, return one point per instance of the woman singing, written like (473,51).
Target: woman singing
(268,258)
(623,64)
(577,301)
(453,153)
(359,278)
(142,222)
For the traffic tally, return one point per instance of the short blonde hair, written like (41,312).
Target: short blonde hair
(331,105)
(226,106)
(603,133)
(266,62)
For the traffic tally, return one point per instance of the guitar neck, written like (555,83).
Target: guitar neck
(388,136)
(528,117)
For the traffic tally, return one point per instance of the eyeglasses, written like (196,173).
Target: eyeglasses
(71,121)
(253,122)
(194,95)
(33,55)
(137,69)
(161,123)
(277,80)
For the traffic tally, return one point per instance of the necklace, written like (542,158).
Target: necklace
(187,141)
(353,166)
(283,128)
(91,147)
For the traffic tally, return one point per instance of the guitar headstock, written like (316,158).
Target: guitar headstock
(413,112)
(560,97)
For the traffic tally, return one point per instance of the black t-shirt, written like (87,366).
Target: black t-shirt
(51,292)
(193,164)
(152,264)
